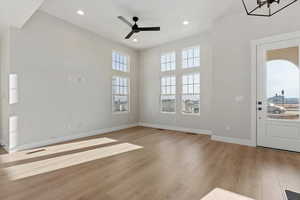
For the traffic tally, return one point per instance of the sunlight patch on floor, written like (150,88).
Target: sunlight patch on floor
(220,194)
(34,153)
(52,164)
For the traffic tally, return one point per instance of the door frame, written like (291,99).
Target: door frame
(254,64)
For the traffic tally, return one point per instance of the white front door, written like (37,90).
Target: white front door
(278,88)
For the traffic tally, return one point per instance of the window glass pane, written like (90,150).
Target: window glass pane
(173,80)
(197,79)
(191,104)
(196,89)
(185,89)
(184,80)
(120,94)
(119,62)
(191,57)
(191,93)
(168,104)
(168,94)
(173,90)
(120,103)
(168,62)
(190,89)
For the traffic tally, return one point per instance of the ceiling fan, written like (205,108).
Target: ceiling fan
(135,28)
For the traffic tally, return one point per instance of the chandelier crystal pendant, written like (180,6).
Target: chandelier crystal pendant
(266,8)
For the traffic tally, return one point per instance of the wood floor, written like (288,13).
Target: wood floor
(166,165)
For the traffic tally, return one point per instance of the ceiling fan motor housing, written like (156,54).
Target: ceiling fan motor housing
(135,19)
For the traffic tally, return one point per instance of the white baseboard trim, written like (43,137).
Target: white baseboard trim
(176,128)
(233,140)
(69,138)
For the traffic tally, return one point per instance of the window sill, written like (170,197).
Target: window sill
(120,113)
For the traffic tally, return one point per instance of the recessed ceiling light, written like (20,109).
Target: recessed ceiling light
(135,40)
(185,22)
(80,12)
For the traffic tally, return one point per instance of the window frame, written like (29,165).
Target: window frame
(122,54)
(128,95)
(175,95)
(189,94)
(182,58)
(170,53)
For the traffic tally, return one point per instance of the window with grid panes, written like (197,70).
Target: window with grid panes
(191,93)
(191,57)
(168,62)
(120,94)
(168,94)
(120,62)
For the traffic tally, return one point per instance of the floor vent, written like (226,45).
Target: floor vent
(37,151)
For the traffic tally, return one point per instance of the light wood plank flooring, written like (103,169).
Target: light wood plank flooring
(170,165)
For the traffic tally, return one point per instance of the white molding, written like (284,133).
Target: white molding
(253,111)
(176,128)
(246,142)
(276,38)
(69,138)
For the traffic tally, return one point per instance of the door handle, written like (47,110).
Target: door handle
(259,108)
(259,103)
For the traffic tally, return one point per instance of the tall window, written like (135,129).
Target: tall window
(168,62)
(168,94)
(120,62)
(120,94)
(191,57)
(191,93)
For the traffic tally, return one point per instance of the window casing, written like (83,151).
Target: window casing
(120,94)
(191,57)
(120,62)
(168,62)
(191,93)
(168,94)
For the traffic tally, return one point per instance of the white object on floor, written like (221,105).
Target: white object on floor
(220,194)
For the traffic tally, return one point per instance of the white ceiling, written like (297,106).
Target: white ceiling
(101,17)
(15,12)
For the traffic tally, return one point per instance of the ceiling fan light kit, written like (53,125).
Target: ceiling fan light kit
(266,8)
(135,28)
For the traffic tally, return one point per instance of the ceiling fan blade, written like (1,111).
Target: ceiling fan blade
(125,21)
(129,35)
(149,28)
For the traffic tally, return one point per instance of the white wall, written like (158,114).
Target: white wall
(232,61)
(64,78)
(4,64)
(225,86)
(150,85)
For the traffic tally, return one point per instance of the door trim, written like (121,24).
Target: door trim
(254,44)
